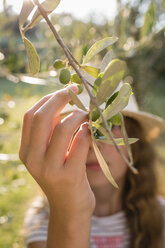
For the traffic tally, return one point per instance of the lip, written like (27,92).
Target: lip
(93,166)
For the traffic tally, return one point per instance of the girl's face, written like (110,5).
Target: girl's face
(115,162)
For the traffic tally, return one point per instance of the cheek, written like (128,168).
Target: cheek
(116,164)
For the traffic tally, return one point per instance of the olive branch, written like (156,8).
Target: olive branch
(107,80)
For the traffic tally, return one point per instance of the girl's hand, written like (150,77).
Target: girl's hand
(44,150)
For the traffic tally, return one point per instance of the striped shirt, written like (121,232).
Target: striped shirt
(106,232)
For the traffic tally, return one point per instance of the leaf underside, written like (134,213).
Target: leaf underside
(118,104)
(27,8)
(106,60)
(33,58)
(49,6)
(91,70)
(98,47)
(119,141)
(76,100)
(103,164)
(114,73)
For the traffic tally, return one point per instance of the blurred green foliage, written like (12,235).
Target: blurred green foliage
(138,24)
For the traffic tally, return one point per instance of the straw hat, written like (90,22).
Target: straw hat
(152,125)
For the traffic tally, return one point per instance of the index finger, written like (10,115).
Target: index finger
(43,121)
(26,127)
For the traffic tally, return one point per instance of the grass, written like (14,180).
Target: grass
(17,188)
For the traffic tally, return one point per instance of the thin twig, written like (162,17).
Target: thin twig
(74,58)
(84,81)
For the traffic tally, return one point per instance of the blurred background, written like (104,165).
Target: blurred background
(140,26)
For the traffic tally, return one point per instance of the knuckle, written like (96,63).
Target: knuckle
(33,166)
(62,95)
(29,161)
(38,116)
(28,115)
(46,97)
(79,112)
(62,128)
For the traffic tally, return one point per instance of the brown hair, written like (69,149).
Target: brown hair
(140,203)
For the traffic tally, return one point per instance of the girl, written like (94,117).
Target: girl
(82,209)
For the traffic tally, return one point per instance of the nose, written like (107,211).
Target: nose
(91,146)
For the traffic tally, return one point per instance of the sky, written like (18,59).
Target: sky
(81,9)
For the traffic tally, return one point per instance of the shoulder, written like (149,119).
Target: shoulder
(36,222)
(39,210)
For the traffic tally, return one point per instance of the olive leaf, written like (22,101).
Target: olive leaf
(106,60)
(91,70)
(127,145)
(116,120)
(98,47)
(163,4)
(49,6)
(99,156)
(103,163)
(111,99)
(76,100)
(27,8)
(119,141)
(118,104)
(149,20)
(33,58)
(125,136)
(101,129)
(114,73)
(107,140)
(96,85)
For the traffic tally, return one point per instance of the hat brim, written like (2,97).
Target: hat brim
(152,125)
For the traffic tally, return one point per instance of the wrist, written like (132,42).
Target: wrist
(69,215)
(67,232)
(70,222)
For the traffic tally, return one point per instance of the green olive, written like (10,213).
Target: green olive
(71,103)
(58,64)
(116,120)
(80,89)
(101,74)
(95,115)
(65,76)
(75,78)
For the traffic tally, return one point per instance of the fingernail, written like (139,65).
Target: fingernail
(74,88)
(85,125)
